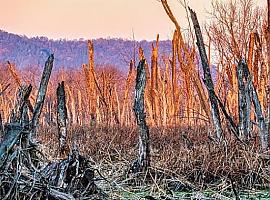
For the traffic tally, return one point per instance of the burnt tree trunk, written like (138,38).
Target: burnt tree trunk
(207,76)
(267,37)
(143,161)
(62,117)
(14,131)
(41,94)
(243,94)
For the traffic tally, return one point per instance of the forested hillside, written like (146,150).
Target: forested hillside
(24,51)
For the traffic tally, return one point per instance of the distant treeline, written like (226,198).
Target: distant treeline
(24,51)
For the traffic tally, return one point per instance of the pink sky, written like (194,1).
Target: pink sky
(74,19)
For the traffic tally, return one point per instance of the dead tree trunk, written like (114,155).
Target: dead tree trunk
(21,99)
(207,76)
(143,161)
(41,94)
(62,117)
(267,37)
(258,109)
(13,131)
(242,102)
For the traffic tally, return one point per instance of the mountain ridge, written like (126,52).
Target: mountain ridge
(32,51)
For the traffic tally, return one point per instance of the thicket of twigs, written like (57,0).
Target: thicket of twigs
(182,159)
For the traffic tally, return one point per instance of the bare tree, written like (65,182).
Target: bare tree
(143,160)
(207,76)
(41,94)
(62,118)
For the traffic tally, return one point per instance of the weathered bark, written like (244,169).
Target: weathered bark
(22,99)
(41,94)
(242,102)
(267,38)
(143,161)
(232,126)
(13,132)
(62,118)
(207,76)
(25,118)
(258,109)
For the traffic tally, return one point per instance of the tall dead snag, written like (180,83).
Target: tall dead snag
(143,161)
(41,94)
(207,75)
(62,117)
(126,92)
(267,37)
(154,82)
(243,102)
(193,74)
(91,79)
(258,109)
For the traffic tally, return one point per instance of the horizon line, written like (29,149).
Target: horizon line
(80,39)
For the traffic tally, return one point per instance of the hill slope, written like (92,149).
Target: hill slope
(24,51)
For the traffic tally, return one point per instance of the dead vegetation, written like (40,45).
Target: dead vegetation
(95,137)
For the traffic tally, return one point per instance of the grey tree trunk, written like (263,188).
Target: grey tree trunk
(13,131)
(62,117)
(243,102)
(41,94)
(207,76)
(258,110)
(143,161)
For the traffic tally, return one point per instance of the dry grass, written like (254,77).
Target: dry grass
(183,159)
